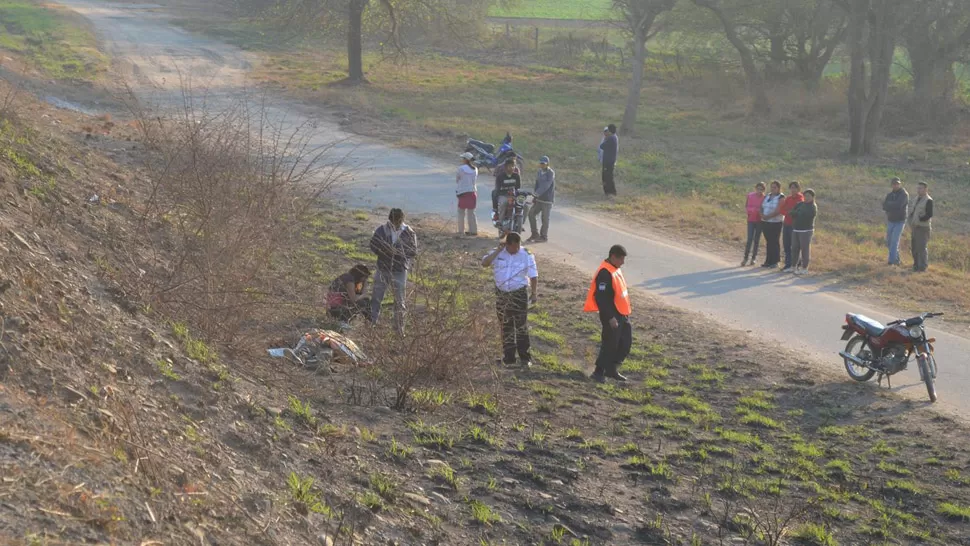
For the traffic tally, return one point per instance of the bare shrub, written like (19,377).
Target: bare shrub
(8,98)
(228,193)
(448,336)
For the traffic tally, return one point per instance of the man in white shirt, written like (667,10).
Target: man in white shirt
(516,283)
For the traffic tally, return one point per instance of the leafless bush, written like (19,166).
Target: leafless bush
(228,193)
(447,339)
(8,98)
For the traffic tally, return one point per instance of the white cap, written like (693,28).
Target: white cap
(467,155)
(606,129)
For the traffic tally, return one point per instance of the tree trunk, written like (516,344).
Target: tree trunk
(882,51)
(636,83)
(777,57)
(355,48)
(857,76)
(933,77)
(755,80)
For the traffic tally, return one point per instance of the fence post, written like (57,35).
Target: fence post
(537,39)
(508,30)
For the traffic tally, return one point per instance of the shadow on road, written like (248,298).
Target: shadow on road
(730,279)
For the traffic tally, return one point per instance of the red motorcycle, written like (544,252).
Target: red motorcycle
(886,350)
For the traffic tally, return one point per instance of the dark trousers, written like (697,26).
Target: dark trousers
(513,314)
(346,313)
(920,246)
(615,346)
(772,232)
(786,234)
(754,237)
(609,186)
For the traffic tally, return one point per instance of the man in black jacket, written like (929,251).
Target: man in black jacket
(608,295)
(396,246)
(609,149)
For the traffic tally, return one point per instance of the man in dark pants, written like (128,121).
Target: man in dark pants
(921,222)
(609,149)
(516,282)
(609,296)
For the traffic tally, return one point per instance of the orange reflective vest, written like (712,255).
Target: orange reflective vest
(621,296)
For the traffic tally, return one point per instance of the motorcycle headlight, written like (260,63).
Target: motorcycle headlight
(916,332)
(520,199)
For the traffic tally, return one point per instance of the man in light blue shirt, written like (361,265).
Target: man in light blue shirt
(516,284)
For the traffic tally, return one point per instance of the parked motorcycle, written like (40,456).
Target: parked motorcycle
(886,350)
(516,208)
(487,157)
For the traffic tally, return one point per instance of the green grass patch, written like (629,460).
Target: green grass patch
(755,419)
(813,534)
(953,511)
(54,41)
(586,10)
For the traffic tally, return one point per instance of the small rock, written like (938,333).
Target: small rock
(510,481)
(545,496)
(274,412)
(325,540)
(435,462)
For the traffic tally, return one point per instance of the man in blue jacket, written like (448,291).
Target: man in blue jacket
(609,149)
(396,246)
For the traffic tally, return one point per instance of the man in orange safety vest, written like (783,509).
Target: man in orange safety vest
(609,296)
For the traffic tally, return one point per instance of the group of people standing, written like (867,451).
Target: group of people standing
(919,217)
(789,222)
(507,179)
(781,219)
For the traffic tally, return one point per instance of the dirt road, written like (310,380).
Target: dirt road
(157,57)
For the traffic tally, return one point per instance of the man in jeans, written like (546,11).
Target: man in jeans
(395,245)
(920,220)
(516,283)
(545,193)
(896,206)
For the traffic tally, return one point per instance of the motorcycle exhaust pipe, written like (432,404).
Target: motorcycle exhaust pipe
(854,359)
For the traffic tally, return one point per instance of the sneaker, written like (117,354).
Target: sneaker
(532,238)
(542,240)
(787,270)
(471,233)
(617,376)
(599,378)
(744,262)
(526,363)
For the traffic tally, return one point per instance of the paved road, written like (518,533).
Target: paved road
(795,312)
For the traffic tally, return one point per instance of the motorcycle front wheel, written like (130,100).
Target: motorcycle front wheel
(927,374)
(859,348)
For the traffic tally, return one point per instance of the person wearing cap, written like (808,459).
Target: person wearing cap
(608,295)
(344,298)
(896,206)
(516,284)
(506,180)
(609,148)
(545,194)
(467,191)
(921,222)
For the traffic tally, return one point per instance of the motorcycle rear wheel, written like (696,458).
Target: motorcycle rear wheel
(858,347)
(927,375)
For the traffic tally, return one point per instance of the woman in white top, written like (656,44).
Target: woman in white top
(467,191)
(771,223)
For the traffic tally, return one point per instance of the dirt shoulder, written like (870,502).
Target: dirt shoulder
(114,428)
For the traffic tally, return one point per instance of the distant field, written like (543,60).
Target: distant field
(590,10)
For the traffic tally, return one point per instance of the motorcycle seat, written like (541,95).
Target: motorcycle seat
(872,327)
(490,148)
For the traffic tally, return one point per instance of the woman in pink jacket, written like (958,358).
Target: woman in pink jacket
(753,208)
